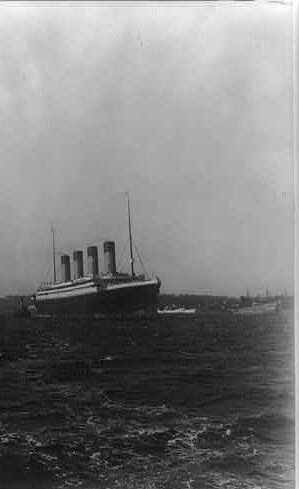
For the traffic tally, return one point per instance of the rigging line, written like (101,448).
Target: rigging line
(54,253)
(122,254)
(48,266)
(143,268)
(48,271)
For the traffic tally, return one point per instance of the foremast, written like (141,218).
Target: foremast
(130,238)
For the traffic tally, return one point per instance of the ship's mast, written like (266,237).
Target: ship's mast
(130,237)
(54,261)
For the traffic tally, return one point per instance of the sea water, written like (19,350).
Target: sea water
(203,402)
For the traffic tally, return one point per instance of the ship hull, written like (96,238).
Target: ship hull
(122,300)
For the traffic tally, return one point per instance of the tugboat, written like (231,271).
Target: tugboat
(101,294)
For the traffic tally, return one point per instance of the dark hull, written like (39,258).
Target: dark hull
(120,302)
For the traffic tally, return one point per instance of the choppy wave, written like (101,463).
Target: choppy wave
(171,405)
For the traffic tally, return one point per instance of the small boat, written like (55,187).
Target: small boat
(257,308)
(176,311)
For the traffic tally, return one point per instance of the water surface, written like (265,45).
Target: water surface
(204,402)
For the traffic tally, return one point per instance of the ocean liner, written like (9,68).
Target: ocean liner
(105,294)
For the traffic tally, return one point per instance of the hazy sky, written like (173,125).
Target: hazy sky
(187,107)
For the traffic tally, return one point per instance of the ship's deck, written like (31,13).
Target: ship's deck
(99,280)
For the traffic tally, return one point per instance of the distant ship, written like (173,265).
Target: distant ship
(109,293)
(258,308)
